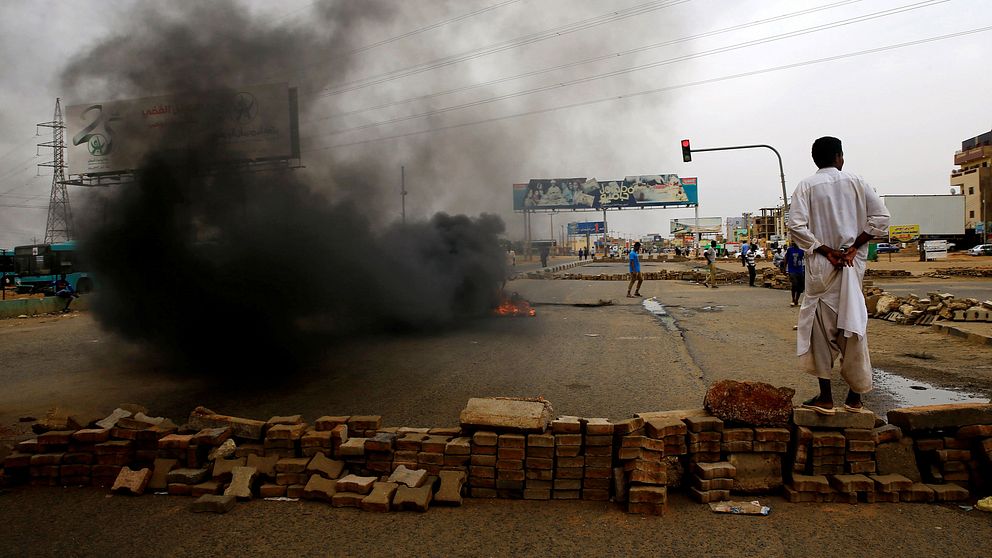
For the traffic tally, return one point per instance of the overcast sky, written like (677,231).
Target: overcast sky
(901,112)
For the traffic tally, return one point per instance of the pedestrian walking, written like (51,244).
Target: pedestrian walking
(751,263)
(635,271)
(832,217)
(710,254)
(795,266)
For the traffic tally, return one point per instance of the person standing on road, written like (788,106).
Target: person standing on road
(544,256)
(832,217)
(635,271)
(796,268)
(751,263)
(710,254)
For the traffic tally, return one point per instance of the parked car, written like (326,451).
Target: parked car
(980,250)
(885,248)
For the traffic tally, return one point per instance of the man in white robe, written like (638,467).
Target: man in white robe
(832,217)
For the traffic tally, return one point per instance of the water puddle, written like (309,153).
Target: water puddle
(653,306)
(912,393)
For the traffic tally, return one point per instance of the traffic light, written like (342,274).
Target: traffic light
(686,152)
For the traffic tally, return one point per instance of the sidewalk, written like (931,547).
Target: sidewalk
(979,333)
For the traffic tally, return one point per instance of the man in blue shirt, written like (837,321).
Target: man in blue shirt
(796,267)
(635,271)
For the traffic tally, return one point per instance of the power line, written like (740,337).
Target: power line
(407,34)
(609,56)
(662,89)
(502,46)
(650,65)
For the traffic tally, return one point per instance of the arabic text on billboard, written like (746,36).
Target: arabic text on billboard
(904,233)
(589,193)
(697,225)
(252,123)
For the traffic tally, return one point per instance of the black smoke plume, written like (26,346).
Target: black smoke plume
(235,272)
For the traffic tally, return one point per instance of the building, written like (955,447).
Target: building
(768,224)
(973,178)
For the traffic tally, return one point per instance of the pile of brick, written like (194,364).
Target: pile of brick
(962,272)
(775,278)
(913,310)
(846,458)
(887,273)
(697,275)
(508,448)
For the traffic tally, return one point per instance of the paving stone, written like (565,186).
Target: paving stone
(891,483)
(771,434)
(211,436)
(867,446)
(537,493)
(316,439)
(265,465)
(364,422)
(975,431)
(918,492)
(598,427)
(132,482)
(757,472)
(851,483)
(512,441)
(770,447)
(713,484)
(248,429)
(898,458)
(929,444)
(541,452)
(329,422)
(319,488)
(738,434)
(566,425)
(91,435)
(707,496)
(286,431)
(292,464)
(511,453)
(289,419)
(948,492)
(535,441)
(380,498)
(662,427)
(175,441)
(737,447)
(458,446)
(411,478)
(269,490)
(347,499)
(207,487)
(450,492)
(647,494)
(886,433)
(287,479)
(828,440)
(838,421)
(111,420)
(353,447)
(704,424)
(480,492)
(187,476)
(214,504)
(324,466)
(241,483)
(160,471)
(811,483)
(934,417)
(223,468)
(295,491)
(223,451)
(506,414)
(625,426)
(723,469)
(355,483)
(566,494)
(413,499)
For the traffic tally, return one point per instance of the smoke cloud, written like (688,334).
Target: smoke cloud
(231,272)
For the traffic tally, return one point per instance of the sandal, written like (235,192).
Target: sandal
(820,410)
(860,409)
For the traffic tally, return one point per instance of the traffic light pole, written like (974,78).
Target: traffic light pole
(781,171)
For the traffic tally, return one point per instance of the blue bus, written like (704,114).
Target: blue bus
(7,272)
(38,266)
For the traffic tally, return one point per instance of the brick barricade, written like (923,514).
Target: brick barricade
(355,461)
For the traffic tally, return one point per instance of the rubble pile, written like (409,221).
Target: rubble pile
(749,440)
(887,273)
(697,275)
(961,272)
(914,310)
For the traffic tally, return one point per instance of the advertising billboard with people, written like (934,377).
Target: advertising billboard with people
(658,190)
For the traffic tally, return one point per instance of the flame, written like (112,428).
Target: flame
(513,305)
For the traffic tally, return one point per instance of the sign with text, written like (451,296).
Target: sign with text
(703,225)
(935,249)
(658,190)
(904,233)
(245,124)
(588,227)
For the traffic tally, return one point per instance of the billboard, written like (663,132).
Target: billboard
(694,225)
(246,124)
(588,227)
(904,233)
(657,190)
(937,215)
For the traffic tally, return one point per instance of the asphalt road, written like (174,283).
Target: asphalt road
(606,361)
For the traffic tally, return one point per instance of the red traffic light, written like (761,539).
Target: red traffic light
(686,152)
(685,143)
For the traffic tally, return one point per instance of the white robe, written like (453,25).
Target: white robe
(832,208)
